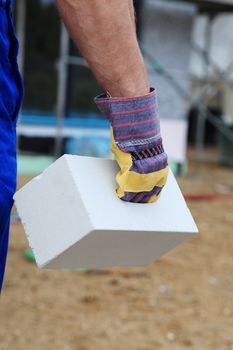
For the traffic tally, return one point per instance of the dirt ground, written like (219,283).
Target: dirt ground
(183,301)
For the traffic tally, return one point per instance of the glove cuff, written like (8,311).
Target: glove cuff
(134,120)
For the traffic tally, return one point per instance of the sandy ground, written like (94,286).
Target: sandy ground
(183,301)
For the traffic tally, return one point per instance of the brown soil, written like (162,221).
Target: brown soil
(183,301)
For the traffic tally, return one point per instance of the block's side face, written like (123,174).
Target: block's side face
(104,249)
(106,211)
(52,212)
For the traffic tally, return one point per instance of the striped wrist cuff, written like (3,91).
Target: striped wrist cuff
(134,120)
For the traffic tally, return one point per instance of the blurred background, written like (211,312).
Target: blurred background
(185,300)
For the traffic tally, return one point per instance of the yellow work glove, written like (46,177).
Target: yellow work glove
(137,146)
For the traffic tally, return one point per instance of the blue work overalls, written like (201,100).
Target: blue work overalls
(11,93)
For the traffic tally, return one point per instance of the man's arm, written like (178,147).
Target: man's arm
(104,31)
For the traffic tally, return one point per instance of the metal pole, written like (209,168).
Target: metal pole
(201,117)
(61,91)
(21,34)
(20,30)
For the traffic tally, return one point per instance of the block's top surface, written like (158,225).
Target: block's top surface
(95,181)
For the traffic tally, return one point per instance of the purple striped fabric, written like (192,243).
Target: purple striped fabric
(149,164)
(141,197)
(134,120)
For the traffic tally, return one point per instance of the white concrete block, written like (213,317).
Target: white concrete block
(73,218)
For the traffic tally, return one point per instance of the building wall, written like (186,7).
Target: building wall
(221,52)
(167,33)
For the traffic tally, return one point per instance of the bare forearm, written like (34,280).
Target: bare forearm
(104,31)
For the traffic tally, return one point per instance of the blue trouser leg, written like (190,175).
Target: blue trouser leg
(11,92)
(3,249)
